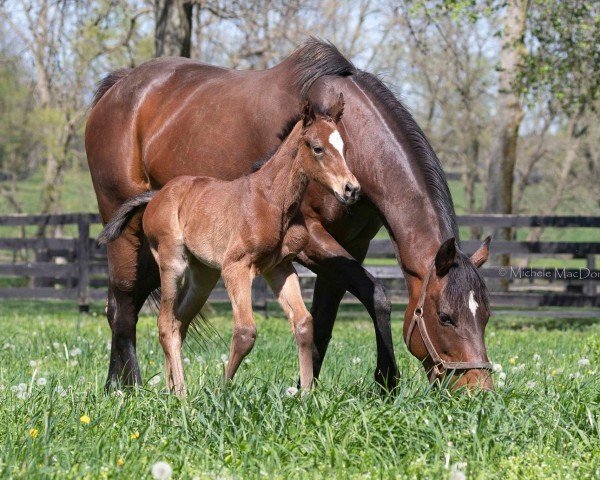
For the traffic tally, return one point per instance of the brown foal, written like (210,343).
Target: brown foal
(200,228)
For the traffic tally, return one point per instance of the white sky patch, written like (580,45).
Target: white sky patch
(473,305)
(336,141)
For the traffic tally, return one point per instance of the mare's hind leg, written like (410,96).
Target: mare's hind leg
(284,282)
(133,275)
(238,280)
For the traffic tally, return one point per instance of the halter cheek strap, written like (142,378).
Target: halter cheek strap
(418,321)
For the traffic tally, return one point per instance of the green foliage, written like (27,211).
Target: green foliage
(543,423)
(564,54)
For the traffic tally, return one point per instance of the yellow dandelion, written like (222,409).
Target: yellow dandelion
(33,432)
(85,419)
(135,435)
(120,462)
(512,360)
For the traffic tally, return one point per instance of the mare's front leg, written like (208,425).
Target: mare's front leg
(284,282)
(337,272)
(238,280)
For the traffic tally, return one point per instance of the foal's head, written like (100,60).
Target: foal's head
(321,152)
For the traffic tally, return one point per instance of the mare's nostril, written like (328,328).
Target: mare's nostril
(348,189)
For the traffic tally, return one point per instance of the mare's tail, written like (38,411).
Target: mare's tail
(116,226)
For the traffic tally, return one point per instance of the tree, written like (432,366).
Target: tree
(173,28)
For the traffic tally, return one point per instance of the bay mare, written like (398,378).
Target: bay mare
(173,116)
(201,228)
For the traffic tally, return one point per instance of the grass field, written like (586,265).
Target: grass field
(56,421)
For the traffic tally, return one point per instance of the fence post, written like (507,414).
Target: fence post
(590,286)
(83,261)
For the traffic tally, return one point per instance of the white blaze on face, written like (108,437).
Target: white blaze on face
(473,305)
(335,139)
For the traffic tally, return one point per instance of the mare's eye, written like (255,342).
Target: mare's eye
(445,319)
(317,150)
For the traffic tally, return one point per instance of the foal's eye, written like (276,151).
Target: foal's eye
(317,150)
(445,319)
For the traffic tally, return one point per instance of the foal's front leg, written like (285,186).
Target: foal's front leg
(284,282)
(238,280)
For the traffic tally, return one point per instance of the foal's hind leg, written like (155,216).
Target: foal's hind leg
(172,263)
(283,280)
(238,280)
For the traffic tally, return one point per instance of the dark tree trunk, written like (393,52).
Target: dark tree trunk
(173,31)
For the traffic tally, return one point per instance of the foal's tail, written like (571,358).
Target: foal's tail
(116,226)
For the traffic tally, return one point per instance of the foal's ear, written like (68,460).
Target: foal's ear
(445,257)
(308,113)
(482,253)
(336,111)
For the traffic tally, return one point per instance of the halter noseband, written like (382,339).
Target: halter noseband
(419,322)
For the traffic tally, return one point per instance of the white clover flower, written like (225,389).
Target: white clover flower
(224,358)
(356,360)
(186,360)
(583,362)
(247,360)
(34,363)
(291,391)
(496,367)
(536,357)
(75,352)
(41,381)
(575,375)
(426,421)
(22,387)
(154,380)
(531,384)
(74,363)
(500,383)
(108,345)
(55,345)
(1,387)
(161,471)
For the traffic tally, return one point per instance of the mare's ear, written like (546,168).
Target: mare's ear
(482,253)
(445,257)
(308,113)
(337,110)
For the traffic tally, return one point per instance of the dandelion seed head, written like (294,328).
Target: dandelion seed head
(356,360)
(583,362)
(161,471)
(41,381)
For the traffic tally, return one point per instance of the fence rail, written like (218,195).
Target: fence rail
(75,267)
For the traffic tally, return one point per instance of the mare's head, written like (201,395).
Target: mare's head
(321,152)
(456,310)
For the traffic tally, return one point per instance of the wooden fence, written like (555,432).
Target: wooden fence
(74,267)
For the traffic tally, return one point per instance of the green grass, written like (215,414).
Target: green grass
(251,429)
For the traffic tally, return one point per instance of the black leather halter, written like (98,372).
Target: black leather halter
(439,365)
